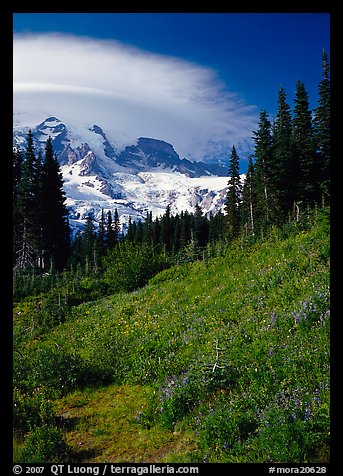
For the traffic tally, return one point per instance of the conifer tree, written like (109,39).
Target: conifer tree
(148,233)
(249,199)
(88,242)
(28,233)
(200,227)
(233,197)
(216,230)
(166,230)
(18,160)
(322,130)
(131,231)
(281,168)
(54,222)
(263,164)
(185,232)
(139,234)
(101,236)
(16,176)
(156,231)
(110,232)
(177,233)
(116,226)
(303,146)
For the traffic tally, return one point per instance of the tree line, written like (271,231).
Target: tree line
(290,168)
(287,172)
(41,233)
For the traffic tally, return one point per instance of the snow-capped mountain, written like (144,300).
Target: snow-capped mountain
(145,176)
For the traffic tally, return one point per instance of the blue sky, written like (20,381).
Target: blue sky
(249,55)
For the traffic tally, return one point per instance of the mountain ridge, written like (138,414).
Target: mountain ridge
(144,176)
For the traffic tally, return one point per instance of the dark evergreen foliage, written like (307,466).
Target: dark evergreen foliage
(249,199)
(41,228)
(281,167)
(54,222)
(322,131)
(233,197)
(303,147)
(265,198)
(28,210)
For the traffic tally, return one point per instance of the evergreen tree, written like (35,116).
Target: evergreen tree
(304,146)
(216,230)
(177,233)
(185,232)
(110,232)
(16,176)
(233,196)
(249,199)
(28,210)
(18,160)
(100,241)
(200,227)
(280,168)
(166,230)
(148,233)
(139,234)
(322,131)
(88,245)
(263,164)
(116,226)
(131,230)
(156,231)
(54,223)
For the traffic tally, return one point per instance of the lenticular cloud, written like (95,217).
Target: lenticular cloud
(130,93)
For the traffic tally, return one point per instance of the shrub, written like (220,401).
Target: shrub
(30,410)
(130,266)
(45,444)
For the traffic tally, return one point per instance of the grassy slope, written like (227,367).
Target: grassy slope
(260,314)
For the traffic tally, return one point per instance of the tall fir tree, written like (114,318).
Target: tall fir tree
(322,131)
(265,196)
(55,225)
(303,147)
(156,231)
(249,199)
(200,227)
(18,160)
(233,197)
(117,227)
(110,233)
(148,233)
(131,230)
(88,240)
(100,240)
(185,232)
(281,168)
(166,234)
(28,210)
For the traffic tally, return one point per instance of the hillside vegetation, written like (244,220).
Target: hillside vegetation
(220,360)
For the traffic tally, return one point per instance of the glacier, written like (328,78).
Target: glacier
(146,175)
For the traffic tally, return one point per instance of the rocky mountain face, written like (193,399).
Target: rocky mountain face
(145,176)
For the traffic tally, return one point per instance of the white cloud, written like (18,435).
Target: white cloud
(129,93)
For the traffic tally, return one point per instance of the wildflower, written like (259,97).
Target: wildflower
(308,415)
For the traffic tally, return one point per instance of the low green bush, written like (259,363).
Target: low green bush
(44,444)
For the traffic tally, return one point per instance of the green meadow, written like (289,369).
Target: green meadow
(224,359)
